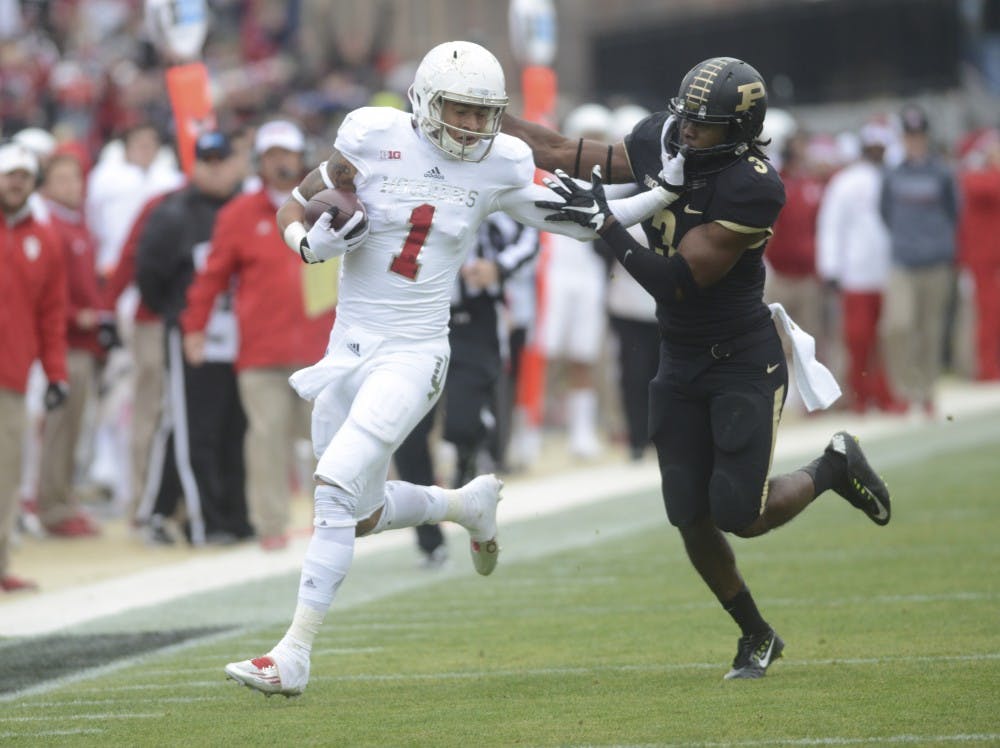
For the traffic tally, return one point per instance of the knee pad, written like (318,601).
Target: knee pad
(735,418)
(680,498)
(732,507)
(334,507)
(351,457)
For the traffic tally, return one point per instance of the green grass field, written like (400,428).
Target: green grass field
(596,631)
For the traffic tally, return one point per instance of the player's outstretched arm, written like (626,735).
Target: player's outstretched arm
(576,156)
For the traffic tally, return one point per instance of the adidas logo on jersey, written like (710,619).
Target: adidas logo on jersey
(434,173)
(354,348)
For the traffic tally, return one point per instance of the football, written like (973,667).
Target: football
(341,204)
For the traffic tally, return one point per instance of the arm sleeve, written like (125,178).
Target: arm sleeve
(520,204)
(666,279)
(65,255)
(155,257)
(620,191)
(124,273)
(51,315)
(220,265)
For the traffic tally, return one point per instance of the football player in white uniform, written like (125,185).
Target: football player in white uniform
(427,181)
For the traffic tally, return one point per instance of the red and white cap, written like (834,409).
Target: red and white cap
(279,134)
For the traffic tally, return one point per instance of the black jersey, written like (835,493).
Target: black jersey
(745,196)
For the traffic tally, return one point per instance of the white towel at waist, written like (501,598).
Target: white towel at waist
(349,347)
(816,385)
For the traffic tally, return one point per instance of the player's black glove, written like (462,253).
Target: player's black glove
(587,207)
(107,335)
(55,395)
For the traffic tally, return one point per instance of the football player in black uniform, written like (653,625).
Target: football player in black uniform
(717,397)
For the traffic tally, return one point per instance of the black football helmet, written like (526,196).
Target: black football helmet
(721,90)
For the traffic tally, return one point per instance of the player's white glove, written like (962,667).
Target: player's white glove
(323,242)
(671,176)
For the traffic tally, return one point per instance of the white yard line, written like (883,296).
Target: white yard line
(988,738)
(46,613)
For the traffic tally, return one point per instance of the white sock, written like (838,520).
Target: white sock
(328,559)
(409,505)
(298,640)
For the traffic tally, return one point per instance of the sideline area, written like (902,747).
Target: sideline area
(84,580)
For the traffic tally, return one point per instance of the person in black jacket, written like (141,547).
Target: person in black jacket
(203,423)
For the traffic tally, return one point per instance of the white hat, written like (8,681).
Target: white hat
(14,156)
(36,140)
(279,134)
(875,133)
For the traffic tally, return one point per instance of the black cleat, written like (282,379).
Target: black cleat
(754,654)
(856,481)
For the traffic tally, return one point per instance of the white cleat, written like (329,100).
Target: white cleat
(481,496)
(261,674)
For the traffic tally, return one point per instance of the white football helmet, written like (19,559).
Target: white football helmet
(466,73)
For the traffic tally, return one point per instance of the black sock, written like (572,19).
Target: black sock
(744,611)
(822,471)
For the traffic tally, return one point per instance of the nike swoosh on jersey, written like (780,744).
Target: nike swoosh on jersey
(627,253)
(772,367)
(691,211)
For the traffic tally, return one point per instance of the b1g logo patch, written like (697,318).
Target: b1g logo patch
(390,155)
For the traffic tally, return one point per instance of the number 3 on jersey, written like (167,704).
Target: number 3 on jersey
(666,223)
(405,263)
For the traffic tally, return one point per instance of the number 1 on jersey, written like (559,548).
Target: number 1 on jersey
(405,263)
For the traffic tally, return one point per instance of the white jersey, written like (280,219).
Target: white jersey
(424,209)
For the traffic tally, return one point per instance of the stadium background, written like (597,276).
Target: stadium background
(829,62)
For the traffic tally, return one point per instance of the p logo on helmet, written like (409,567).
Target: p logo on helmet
(720,91)
(749,93)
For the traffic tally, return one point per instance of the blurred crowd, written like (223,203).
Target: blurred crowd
(87,70)
(169,313)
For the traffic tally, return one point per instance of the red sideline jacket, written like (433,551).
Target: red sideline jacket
(124,272)
(79,255)
(979,225)
(792,249)
(270,309)
(32,301)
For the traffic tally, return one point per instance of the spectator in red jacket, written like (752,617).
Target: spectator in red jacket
(62,189)
(32,325)
(277,336)
(979,246)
